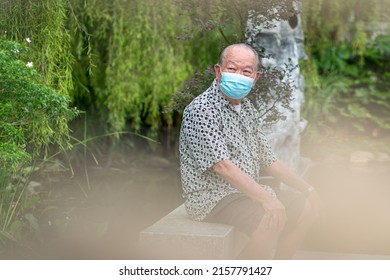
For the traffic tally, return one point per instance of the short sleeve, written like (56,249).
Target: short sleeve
(267,155)
(204,138)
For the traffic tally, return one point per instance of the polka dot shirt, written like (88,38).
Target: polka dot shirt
(213,130)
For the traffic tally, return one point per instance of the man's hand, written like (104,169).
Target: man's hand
(275,215)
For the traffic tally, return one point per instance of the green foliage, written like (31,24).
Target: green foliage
(230,17)
(192,88)
(134,61)
(32,117)
(35,81)
(347,73)
(44,22)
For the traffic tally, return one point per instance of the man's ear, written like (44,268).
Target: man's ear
(257,77)
(218,73)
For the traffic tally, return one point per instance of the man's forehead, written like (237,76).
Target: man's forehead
(239,53)
(241,63)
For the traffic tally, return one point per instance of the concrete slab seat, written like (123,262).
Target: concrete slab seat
(177,236)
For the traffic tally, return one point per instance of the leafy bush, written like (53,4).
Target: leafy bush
(353,90)
(32,117)
(128,62)
(347,71)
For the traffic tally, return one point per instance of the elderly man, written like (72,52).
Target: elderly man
(222,152)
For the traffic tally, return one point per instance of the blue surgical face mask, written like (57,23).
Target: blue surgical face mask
(235,86)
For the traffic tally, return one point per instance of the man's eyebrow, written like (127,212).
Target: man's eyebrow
(251,67)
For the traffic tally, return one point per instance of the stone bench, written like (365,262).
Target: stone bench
(176,236)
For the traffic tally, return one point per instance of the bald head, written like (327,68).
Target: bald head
(239,48)
(238,59)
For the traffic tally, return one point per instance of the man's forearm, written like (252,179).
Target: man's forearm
(281,172)
(240,180)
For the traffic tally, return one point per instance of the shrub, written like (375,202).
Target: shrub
(32,117)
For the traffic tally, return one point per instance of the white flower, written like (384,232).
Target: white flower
(28,40)
(15,51)
(29,64)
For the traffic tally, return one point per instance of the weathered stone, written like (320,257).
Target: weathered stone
(284,43)
(176,236)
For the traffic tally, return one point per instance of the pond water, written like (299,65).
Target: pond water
(99,216)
